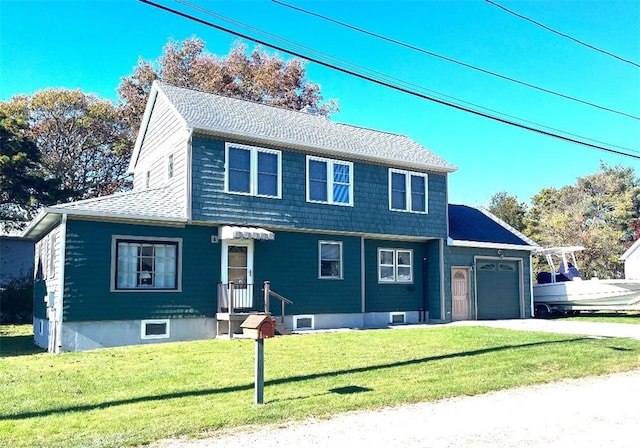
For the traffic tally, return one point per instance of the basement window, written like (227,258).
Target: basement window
(303,322)
(154,329)
(397,318)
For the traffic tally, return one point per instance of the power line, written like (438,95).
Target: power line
(541,25)
(385,84)
(389,78)
(464,64)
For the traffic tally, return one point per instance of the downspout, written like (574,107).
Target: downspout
(189,180)
(60,301)
(532,309)
(363,285)
(425,284)
(442,293)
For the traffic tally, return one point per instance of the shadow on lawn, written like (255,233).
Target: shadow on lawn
(18,346)
(243,387)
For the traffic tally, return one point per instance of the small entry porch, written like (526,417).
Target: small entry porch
(237,301)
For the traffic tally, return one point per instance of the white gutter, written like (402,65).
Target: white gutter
(60,301)
(487,245)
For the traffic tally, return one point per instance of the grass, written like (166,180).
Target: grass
(621,317)
(134,395)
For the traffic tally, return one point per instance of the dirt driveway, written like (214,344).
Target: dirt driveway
(585,413)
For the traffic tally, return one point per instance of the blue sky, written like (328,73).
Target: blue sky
(92,44)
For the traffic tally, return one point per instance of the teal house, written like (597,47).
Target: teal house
(239,207)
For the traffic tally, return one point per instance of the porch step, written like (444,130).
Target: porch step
(282,330)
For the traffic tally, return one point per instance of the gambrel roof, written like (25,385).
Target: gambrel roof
(258,123)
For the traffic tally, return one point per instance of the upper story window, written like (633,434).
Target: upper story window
(143,264)
(329,181)
(170,166)
(147,179)
(407,191)
(253,171)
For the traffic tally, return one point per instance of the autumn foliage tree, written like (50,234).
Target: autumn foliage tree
(22,185)
(509,209)
(257,76)
(82,141)
(599,212)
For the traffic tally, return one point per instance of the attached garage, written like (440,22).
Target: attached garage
(498,291)
(489,259)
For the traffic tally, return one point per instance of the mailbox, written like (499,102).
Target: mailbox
(259,326)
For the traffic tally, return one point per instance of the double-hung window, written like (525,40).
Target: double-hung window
(330,259)
(329,181)
(407,191)
(395,265)
(253,171)
(146,264)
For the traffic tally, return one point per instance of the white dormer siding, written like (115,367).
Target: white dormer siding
(164,148)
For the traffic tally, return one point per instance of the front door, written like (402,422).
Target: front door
(237,268)
(460,288)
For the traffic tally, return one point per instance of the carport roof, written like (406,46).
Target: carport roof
(476,227)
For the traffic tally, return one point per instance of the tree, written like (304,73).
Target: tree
(82,141)
(507,208)
(599,212)
(258,77)
(22,185)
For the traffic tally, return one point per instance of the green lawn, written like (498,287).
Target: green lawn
(135,395)
(622,317)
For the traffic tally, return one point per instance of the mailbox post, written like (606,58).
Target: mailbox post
(259,327)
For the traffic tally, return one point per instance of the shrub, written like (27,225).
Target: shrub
(16,301)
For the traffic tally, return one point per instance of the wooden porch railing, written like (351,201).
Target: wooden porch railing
(241,298)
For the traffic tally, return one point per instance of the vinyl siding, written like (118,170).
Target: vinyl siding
(47,271)
(290,263)
(165,135)
(464,257)
(393,296)
(370,213)
(88,274)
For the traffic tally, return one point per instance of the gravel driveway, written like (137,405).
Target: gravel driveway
(589,412)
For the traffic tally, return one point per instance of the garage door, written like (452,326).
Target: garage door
(498,289)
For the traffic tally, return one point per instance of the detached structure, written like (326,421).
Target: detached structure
(239,207)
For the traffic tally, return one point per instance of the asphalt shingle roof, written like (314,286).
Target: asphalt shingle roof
(222,115)
(157,203)
(471,224)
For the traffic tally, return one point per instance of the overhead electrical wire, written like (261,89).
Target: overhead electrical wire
(387,84)
(386,76)
(541,25)
(448,59)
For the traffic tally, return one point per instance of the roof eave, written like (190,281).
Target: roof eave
(292,144)
(490,245)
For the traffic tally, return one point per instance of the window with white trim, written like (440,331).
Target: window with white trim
(329,181)
(154,329)
(52,256)
(146,264)
(407,191)
(395,265)
(330,263)
(253,171)
(170,166)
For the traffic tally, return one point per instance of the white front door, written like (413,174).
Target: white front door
(460,292)
(237,268)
